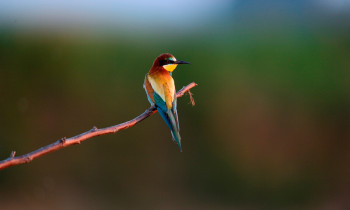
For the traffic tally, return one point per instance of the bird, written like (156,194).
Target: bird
(160,90)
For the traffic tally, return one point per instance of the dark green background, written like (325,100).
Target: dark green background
(270,128)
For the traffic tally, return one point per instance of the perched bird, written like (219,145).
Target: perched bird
(160,90)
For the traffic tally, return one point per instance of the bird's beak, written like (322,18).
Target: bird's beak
(181,62)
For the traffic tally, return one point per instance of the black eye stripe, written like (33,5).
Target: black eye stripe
(165,62)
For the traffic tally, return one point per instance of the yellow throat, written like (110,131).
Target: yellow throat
(170,67)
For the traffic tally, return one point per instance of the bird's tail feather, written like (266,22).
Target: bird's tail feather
(169,118)
(177,138)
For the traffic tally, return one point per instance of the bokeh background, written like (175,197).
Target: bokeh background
(270,129)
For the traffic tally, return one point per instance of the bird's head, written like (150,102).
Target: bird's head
(168,62)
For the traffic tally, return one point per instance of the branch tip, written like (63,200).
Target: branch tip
(191,97)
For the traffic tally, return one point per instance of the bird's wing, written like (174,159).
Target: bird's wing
(164,94)
(149,90)
(163,89)
(168,95)
(164,97)
(170,101)
(174,110)
(169,117)
(162,109)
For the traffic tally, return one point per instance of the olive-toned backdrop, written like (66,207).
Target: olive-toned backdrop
(270,128)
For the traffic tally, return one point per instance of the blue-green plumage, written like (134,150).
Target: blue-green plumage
(170,117)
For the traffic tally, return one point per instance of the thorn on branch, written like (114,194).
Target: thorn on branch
(13,153)
(63,140)
(94,128)
(28,159)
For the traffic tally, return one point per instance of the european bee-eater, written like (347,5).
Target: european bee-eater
(160,90)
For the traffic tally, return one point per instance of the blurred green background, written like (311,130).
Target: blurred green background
(270,129)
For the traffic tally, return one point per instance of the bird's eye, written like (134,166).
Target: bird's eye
(168,61)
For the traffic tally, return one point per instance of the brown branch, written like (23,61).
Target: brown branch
(65,142)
